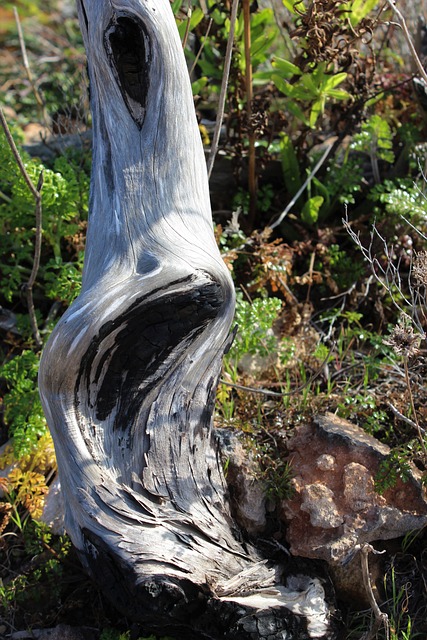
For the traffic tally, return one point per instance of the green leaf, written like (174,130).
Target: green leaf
(323,190)
(196,17)
(375,138)
(307,80)
(334,81)
(260,48)
(287,68)
(359,9)
(261,77)
(339,94)
(280,83)
(291,4)
(373,101)
(199,84)
(290,165)
(293,108)
(310,211)
(176,6)
(317,109)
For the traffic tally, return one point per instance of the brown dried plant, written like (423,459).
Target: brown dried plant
(409,296)
(329,36)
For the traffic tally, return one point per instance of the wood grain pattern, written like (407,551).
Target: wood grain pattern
(128,377)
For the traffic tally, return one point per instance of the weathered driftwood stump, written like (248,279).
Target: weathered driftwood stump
(129,374)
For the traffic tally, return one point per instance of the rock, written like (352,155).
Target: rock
(53,511)
(8,321)
(256,365)
(335,506)
(318,501)
(247,493)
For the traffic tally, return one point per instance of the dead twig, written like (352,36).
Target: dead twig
(405,418)
(302,189)
(252,178)
(408,39)
(187,25)
(381,619)
(27,68)
(36,193)
(413,410)
(202,46)
(387,274)
(224,84)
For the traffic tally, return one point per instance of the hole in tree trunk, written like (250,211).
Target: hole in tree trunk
(127,45)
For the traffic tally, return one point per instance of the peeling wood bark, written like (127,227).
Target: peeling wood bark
(128,377)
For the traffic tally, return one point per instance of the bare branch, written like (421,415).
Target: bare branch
(400,415)
(27,68)
(408,39)
(389,277)
(199,53)
(381,619)
(303,188)
(224,84)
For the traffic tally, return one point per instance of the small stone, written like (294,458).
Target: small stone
(247,494)
(326,462)
(318,501)
(359,486)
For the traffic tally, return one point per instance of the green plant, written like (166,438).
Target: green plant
(314,88)
(399,197)
(64,202)
(39,587)
(58,77)
(254,321)
(253,337)
(23,413)
(278,475)
(376,140)
(265,196)
(400,623)
(395,466)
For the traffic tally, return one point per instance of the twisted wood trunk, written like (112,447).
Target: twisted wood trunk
(128,377)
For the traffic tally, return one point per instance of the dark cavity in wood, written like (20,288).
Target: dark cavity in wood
(145,337)
(128,48)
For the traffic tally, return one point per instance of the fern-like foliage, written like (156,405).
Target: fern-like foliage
(26,484)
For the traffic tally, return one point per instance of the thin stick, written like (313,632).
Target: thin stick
(404,418)
(381,619)
(252,186)
(36,193)
(408,38)
(411,400)
(202,46)
(224,84)
(302,189)
(26,64)
(187,26)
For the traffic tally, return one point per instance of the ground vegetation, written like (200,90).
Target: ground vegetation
(320,210)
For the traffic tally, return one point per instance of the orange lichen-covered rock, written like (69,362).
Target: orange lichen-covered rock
(335,506)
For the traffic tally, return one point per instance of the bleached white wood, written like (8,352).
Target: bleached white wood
(128,377)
